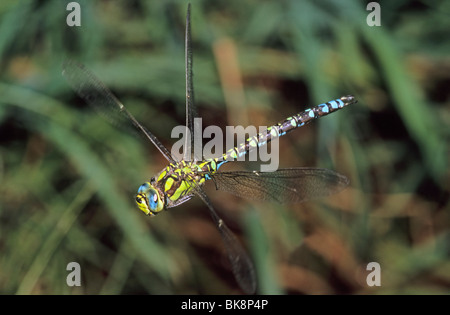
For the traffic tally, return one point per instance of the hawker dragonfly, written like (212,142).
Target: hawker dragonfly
(184,178)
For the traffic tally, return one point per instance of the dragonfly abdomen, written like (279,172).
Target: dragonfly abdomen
(283,127)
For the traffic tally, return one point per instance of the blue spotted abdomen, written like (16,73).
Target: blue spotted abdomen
(284,127)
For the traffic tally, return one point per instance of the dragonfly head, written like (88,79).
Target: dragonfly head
(149,199)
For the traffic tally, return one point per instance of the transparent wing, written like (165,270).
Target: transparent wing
(288,185)
(96,94)
(241,264)
(191,110)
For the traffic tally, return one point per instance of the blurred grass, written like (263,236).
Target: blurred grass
(67,178)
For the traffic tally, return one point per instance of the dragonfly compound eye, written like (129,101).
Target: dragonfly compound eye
(154,201)
(148,199)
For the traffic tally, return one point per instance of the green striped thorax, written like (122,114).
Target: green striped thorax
(173,185)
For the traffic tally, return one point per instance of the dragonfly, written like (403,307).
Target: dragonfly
(184,178)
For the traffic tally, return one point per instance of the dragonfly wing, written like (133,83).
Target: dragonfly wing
(192,125)
(285,185)
(96,94)
(241,264)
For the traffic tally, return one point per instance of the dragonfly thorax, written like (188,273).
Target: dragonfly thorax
(173,185)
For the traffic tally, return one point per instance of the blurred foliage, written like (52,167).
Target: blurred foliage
(67,178)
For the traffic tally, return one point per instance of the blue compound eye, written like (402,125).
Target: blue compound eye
(144,188)
(153,199)
(148,199)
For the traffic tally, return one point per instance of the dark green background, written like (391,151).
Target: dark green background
(68,179)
